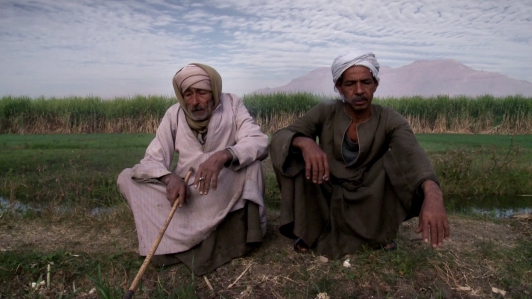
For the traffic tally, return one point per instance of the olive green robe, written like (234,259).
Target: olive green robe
(361,205)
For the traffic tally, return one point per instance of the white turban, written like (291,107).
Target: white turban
(356,57)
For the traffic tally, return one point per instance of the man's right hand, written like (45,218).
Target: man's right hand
(176,189)
(316,164)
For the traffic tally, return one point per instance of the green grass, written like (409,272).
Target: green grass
(77,170)
(269,105)
(435,143)
(81,170)
(411,270)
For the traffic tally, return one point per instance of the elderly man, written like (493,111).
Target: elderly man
(365,175)
(221,211)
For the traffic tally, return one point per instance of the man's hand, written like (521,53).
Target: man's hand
(316,164)
(433,218)
(176,189)
(209,170)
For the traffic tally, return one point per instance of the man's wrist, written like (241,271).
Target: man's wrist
(228,156)
(165,178)
(299,142)
(431,187)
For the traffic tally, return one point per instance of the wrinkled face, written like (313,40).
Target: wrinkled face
(357,88)
(199,102)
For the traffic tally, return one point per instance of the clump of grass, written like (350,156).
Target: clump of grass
(104,287)
(484,170)
(260,105)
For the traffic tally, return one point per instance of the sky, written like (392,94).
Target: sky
(58,48)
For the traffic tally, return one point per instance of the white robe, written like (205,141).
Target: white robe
(230,126)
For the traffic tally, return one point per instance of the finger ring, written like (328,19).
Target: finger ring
(324,177)
(201,179)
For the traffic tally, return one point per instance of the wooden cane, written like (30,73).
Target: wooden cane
(142,269)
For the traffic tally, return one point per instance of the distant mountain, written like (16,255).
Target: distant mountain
(423,77)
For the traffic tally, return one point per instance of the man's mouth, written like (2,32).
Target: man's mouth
(360,99)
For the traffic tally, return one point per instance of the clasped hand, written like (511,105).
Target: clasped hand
(206,177)
(208,171)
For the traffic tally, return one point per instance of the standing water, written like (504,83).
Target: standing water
(493,206)
(18,207)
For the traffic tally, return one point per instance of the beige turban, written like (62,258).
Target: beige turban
(192,76)
(198,76)
(356,57)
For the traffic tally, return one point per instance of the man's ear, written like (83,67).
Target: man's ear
(338,87)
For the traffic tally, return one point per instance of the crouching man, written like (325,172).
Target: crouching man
(221,212)
(365,176)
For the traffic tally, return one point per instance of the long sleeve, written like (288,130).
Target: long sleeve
(309,125)
(159,154)
(251,143)
(410,165)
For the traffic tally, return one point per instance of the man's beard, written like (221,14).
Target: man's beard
(200,113)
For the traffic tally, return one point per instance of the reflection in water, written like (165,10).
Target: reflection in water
(19,207)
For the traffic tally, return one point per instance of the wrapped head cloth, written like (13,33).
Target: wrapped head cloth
(355,57)
(198,76)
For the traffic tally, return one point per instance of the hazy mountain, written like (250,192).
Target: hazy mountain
(425,78)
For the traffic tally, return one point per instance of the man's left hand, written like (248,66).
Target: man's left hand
(433,218)
(209,170)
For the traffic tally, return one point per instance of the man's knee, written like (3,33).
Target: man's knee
(254,171)
(256,165)
(124,178)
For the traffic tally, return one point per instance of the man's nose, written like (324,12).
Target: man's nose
(358,88)
(195,99)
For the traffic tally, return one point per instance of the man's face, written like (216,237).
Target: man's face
(199,102)
(357,87)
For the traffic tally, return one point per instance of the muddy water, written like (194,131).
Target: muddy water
(18,207)
(493,206)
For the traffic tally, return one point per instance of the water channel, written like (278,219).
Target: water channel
(21,208)
(492,206)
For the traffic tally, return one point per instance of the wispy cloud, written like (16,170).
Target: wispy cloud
(110,48)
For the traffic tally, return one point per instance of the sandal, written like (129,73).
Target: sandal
(390,246)
(300,246)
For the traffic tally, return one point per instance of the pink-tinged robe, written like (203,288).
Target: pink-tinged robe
(230,127)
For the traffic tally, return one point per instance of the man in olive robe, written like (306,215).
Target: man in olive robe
(350,172)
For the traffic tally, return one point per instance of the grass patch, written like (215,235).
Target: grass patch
(482,254)
(80,171)
(98,253)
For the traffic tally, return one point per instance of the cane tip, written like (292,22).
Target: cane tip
(129,295)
